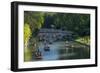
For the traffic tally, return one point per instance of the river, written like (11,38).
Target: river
(68,53)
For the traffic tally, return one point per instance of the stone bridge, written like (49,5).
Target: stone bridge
(54,34)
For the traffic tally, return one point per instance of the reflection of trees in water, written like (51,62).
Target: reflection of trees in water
(74,51)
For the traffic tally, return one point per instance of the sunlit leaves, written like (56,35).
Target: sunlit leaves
(34,19)
(27,32)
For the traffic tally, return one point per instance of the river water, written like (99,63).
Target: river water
(55,48)
(53,54)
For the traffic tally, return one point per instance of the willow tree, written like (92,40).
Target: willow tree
(27,34)
(34,19)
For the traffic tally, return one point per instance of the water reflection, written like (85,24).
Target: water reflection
(63,50)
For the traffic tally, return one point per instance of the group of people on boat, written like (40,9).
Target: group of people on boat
(38,53)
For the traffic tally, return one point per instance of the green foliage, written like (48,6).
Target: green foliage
(84,40)
(27,55)
(34,19)
(27,32)
(78,23)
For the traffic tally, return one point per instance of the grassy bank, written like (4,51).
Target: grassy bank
(84,40)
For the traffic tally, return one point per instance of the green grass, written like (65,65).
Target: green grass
(27,55)
(84,40)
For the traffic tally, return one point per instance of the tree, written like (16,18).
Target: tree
(77,23)
(34,19)
(27,34)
